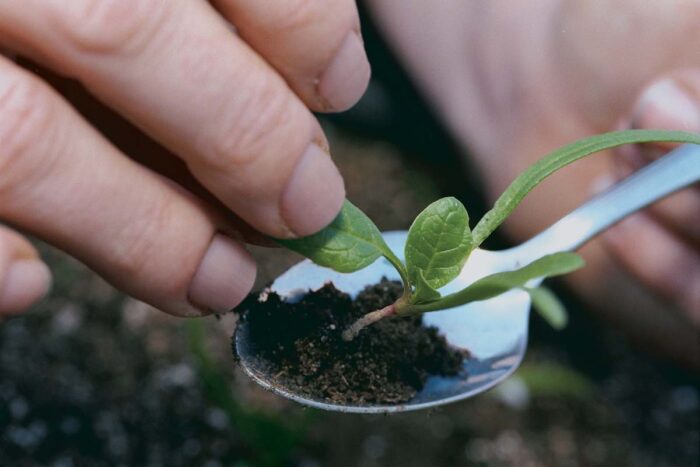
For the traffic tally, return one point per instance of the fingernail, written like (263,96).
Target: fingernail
(26,281)
(618,233)
(628,159)
(314,193)
(346,78)
(601,184)
(224,277)
(665,105)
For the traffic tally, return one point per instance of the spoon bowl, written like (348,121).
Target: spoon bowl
(494,331)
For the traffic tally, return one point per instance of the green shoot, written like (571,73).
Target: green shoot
(440,241)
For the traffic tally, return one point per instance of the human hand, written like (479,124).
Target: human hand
(516,80)
(660,247)
(235,106)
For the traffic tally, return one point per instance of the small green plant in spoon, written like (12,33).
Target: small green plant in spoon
(440,241)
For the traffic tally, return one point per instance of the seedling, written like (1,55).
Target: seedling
(440,241)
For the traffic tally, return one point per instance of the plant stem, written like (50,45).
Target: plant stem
(400,268)
(559,158)
(351,332)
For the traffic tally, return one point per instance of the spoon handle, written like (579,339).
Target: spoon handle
(676,170)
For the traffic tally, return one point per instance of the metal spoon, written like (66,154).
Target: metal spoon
(494,331)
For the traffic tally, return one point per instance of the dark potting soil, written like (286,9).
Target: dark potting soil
(388,362)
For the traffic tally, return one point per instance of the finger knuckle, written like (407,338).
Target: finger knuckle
(136,245)
(330,18)
(25,124)
(108,26)
(260,115)
(297,15)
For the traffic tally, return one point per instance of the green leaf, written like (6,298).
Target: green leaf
(555,160)
(549,307)
(424,292)
(501,282)
(552,379)
(438,243)
(351,242)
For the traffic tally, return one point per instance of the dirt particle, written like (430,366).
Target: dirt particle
(386,363)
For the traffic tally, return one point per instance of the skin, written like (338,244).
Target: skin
(514,80)
(149,138)
(226,116)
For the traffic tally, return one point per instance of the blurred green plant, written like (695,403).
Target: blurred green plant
(554,379)
(272,439)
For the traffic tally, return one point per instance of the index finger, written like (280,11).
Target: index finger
(314,44)
(178,72)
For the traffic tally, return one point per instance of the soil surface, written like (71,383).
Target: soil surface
(387,363)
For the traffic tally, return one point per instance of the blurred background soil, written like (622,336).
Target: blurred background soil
(91,377)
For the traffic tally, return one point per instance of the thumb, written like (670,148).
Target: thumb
(671,103)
